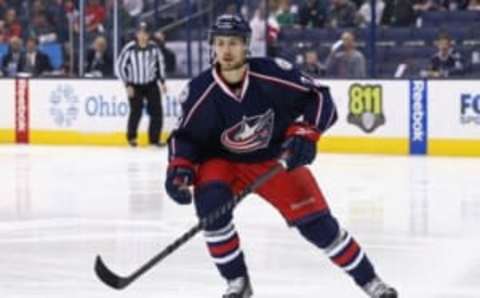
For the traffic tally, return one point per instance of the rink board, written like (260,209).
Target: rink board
(87,112)
(384,130)
(454,112)
(375,116)
(7,111)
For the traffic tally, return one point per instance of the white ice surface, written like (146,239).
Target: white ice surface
(417,218)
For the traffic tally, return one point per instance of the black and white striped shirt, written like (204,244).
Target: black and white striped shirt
(140,66)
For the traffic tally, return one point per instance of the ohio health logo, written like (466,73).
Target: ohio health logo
(64,105)
(418,117)
(470,109)
(98,106)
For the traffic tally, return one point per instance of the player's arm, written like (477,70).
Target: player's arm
(185,143)
(315,104)
(313,100)
(319,110)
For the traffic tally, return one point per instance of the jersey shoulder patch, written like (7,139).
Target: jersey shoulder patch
(283,64)
(183,95)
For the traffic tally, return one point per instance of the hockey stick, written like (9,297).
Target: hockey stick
(118,282)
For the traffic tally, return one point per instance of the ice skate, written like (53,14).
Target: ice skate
(378,289)
(133,143)
(238,288)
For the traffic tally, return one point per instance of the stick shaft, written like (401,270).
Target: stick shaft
(118,282)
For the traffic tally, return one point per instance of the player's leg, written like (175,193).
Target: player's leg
(299,199)
(136,106)
(344,251)
(154,108)
(213,189)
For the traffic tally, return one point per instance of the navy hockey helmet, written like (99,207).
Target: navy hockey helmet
(230,25)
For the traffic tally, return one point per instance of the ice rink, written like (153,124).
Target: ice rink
(417,218)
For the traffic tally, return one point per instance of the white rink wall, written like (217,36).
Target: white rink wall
(7,110)
(440,117)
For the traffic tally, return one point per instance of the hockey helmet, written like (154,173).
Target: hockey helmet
(230,25)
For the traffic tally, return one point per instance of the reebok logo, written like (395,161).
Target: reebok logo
(418,112)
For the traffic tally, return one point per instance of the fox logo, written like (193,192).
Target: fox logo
(250,134)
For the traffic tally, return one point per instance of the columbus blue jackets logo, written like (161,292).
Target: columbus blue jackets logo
(250,134)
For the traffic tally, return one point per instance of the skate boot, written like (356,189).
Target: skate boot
(378,289)
(239,288)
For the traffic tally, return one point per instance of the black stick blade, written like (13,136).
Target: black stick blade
(108,277)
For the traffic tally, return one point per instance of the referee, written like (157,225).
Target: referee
(141,66)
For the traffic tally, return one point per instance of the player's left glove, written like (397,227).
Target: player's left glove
(300,146)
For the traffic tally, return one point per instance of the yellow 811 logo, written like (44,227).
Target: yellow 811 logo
(365,106)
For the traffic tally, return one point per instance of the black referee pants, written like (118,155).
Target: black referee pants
(149,92)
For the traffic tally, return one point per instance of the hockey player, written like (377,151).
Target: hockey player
(238,118)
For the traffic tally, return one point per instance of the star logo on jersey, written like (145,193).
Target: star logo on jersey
(250,134)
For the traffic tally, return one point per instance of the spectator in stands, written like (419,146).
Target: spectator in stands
(38,6)
(452,4)
(3,33)
(42,29)
(12,25)
(95,15)
(258,25)
(474,5)
(36,62)
(169,56)
(398,13)
(264,40)
(3,8)
(70,9)
(342,14)
(284,15)
(313,13)
(13,61)
(133,7)
(56,13)
(365,12)
(99,61)
(346,61)
(420,6)
(232,8)
(125,20)
(447,62)
(312,65)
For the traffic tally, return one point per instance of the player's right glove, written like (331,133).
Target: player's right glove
(180,176)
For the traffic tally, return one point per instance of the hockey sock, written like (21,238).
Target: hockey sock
(222,239)
(339,246)
(224,247)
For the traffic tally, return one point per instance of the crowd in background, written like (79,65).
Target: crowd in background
(28,27)
(345,60)
(354,13)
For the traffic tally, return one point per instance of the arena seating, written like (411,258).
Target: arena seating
(394,45)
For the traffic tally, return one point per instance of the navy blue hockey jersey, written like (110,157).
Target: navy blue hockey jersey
(248,126)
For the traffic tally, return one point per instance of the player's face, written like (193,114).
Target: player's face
(230,52)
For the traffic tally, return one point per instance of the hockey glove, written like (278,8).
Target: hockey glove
(300,146)
(180,176)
